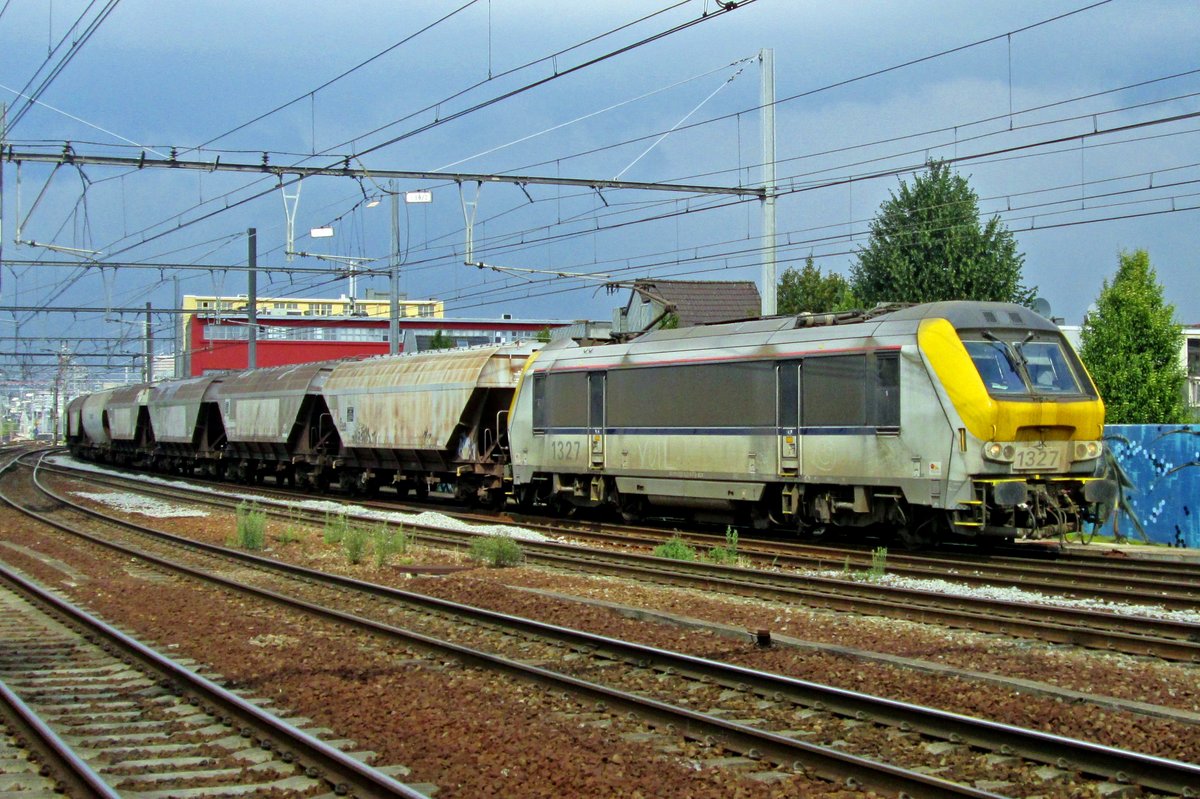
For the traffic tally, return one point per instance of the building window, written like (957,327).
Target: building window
(226,332)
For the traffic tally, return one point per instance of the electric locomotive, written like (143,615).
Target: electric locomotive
(970,418)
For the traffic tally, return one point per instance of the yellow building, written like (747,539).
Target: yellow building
(291,306)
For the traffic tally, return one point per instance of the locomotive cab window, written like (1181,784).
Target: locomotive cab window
(1013,365)
(1049,371)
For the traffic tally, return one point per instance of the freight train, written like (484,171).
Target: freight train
(954,418)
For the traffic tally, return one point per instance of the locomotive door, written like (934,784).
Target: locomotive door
(596,419)
(788,421)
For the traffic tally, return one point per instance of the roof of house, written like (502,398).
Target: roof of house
(700,302)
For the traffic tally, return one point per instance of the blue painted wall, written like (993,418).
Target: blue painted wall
(1166,501)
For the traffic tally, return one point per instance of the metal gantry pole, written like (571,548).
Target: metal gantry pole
(252,300)
(394,274)
(178,332)
(149,347)
(767,57)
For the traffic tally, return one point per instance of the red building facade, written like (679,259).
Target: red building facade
(217,343)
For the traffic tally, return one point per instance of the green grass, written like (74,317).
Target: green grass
(728,553)
(251,526)
(387,542)
(354,541)
(675,549)
(496,551)
(878,563)
(335,528)
(294,530)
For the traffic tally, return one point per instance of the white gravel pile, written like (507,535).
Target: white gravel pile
(1005,593)
(146,506)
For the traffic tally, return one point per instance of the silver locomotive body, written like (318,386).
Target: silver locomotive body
(779,422)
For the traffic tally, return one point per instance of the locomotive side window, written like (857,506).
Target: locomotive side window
(567,400)
(595,401)
(789,396)
(539,403)
(738,394)
(559,400)
(885,391)
(834,391)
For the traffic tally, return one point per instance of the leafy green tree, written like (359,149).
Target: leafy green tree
(809,290)
(1131,346)
(440,341)
(669,322)
(927,244)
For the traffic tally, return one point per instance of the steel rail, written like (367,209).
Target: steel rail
(825,762)
(1096,759)
(1151,584)
(76,777)
(951,611)
(336,767)
(1159,581)
(1141,635)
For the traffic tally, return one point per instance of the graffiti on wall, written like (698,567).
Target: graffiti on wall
(1163,466)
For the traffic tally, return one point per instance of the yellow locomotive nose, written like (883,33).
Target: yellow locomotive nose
(1031,427)
(1000,412)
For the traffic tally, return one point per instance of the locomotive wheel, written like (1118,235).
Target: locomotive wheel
(920,533)
(524,495)
(811,532)
(912,539)
(631,508)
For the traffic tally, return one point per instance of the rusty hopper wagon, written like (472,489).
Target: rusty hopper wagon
(409,421)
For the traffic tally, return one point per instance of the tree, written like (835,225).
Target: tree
(440,341)
(809,290)
(927,244)
(1131,345)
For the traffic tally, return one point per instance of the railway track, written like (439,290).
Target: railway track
(105,715)
(1171,585)
(766,718)
(1134,634)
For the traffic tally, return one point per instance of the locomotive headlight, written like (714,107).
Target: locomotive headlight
(995,451)
(1087,450)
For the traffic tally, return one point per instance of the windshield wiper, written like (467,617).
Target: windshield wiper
(1010,353)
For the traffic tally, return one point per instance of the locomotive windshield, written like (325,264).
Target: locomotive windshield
(1011,365)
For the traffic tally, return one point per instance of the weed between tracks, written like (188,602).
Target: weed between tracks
(496,551)
(678,549)
(251,527)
